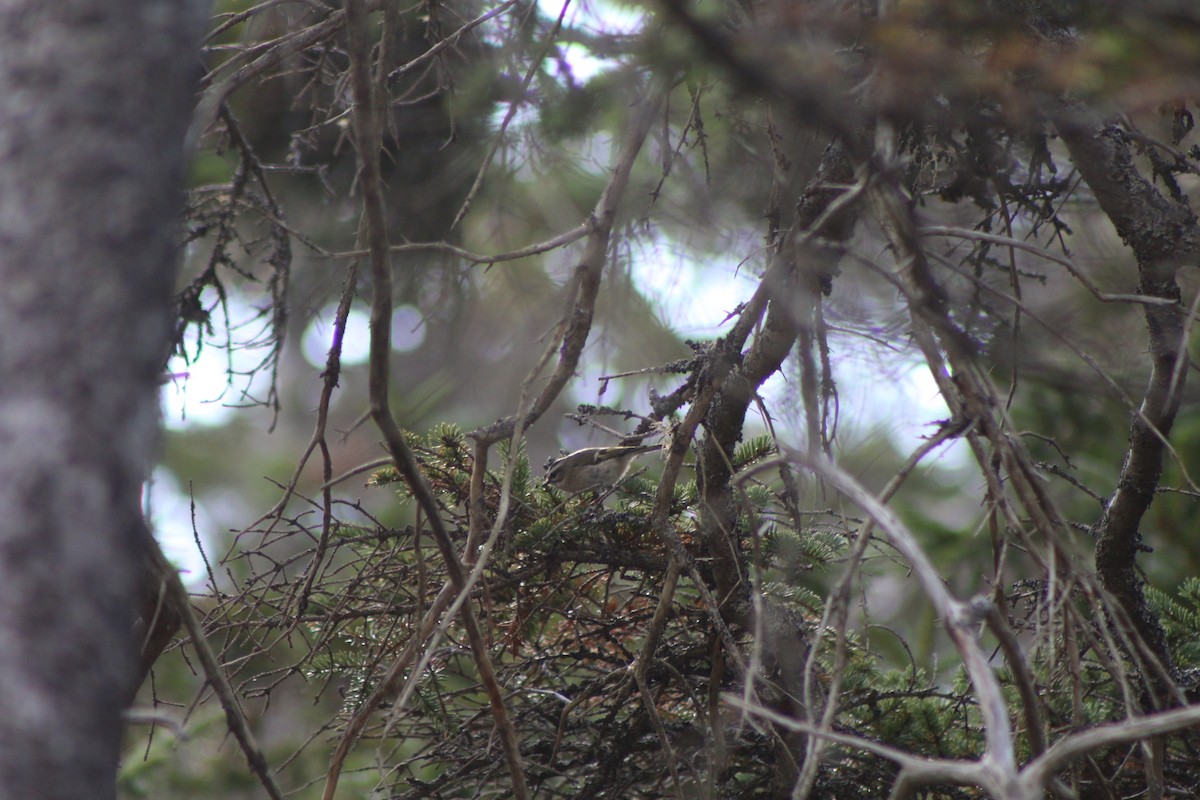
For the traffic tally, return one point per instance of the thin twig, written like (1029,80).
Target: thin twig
(498,139)
(214,673)
(653,634)
(1041,252)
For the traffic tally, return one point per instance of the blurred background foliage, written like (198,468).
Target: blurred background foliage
(504,139)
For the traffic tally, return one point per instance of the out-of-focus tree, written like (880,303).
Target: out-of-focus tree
(784,604)
(94,105)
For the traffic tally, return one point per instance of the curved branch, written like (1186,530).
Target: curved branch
(545,246)
(217,93)
(1163,235)
(367,133)
(573,329)
(959,618)
(1041,769)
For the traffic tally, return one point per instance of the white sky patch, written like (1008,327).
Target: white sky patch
(904,404)
(201,392)
(169,512)
(408,328)
(195,393)
(901,401)
(318,338)
(598,17)
(408,334)
(602,16)
(584,65)
(694,298)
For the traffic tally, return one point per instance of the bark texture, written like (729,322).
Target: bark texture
(94,105)
(1164,236)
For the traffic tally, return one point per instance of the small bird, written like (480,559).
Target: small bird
(594,467)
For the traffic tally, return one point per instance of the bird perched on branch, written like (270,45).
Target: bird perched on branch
(594,467)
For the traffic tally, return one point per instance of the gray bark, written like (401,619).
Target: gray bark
(94,103)
(1164,235)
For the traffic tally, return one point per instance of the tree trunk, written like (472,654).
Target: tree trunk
(94,104)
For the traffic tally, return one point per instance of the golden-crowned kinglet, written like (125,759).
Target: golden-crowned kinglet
(594,467)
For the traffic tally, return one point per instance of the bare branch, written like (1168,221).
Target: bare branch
(1038,771)
(367,133)
(1163,235)
(960,619)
